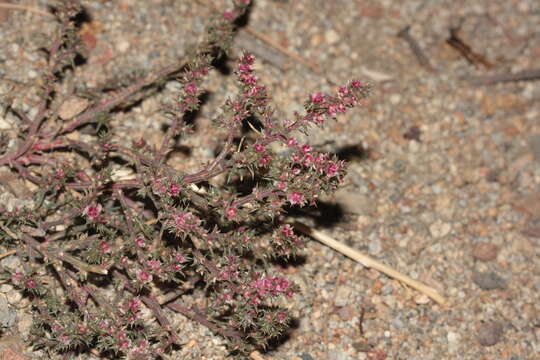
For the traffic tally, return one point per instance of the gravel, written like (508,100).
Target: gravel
(444,189)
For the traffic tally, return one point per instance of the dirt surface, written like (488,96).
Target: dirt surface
(444,174)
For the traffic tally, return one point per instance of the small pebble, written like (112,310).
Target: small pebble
(485,251)
(7,314)
(439,229)
(306,356)
(331,36)
(14,297)
(488,280)
(123,46)
(362,346)
(342,296)
(534,143)
(490,333)
(5,288)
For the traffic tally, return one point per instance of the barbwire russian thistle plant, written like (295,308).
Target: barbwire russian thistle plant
(128,235)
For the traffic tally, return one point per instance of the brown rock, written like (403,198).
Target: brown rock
(72,107)
(490,333)
(485,251)
(500,102)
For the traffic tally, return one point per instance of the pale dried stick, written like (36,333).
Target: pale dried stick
(370,262)
(256,356)
(25,8)
(11,252)
(268,40)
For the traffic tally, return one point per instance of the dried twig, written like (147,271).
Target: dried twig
(11,252)
(525,75)
(256,356)
(465,50)
(370,262)
(270,42)
(26,8)
(417,51)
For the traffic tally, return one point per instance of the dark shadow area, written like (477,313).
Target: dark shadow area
(324,214)
(293,261)
(190,117)
(353,153)
(276,342)
(246,128)
(221,64)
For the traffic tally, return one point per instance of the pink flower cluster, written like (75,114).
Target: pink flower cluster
(319,162)
(256,94)
(185,222)
(92,211)
(320,106)
(268,286)
(132,309)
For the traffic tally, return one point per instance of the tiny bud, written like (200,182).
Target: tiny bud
(229,15)
(231,213)
(139,143)
(174,189)
(259,147)
(356,84)
(31,284)
(317,98)
(92,212)
(295,198)
(104,246)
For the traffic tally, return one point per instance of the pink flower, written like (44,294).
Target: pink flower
(144,276)
(174,189)
(318,119)
(248,79)
(308,160)
(248,59)
(287,230)
(281,284)
(231,213)
(332,169)
(154,265)
(104,246)
(295,198)
(59,174)
(175,268)
(179,257)
(245,68)
(191,88)
(306,148)
(281,316)
(17,277)
(356,84)
(265,160)
(229,15)
(134,305)
(186,221)
(292,142)
(31,284)
(259,147)
(317,98)
(92,212)
(158,187)
(139,241)
(332,110)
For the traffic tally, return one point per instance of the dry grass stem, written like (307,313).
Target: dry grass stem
(370,262)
